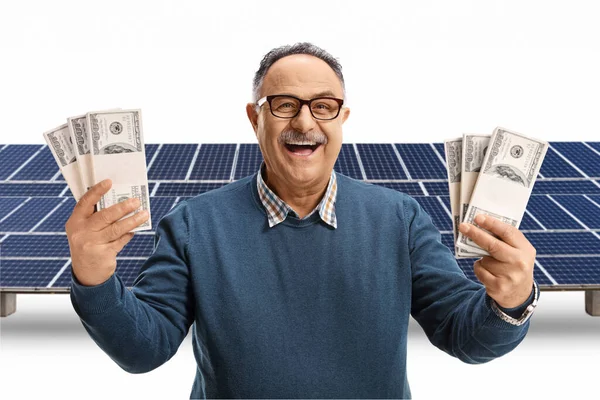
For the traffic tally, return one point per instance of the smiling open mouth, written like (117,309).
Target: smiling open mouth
(302,149)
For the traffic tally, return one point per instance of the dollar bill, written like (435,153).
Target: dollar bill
(453,150)
(508,173)
(78,131)
(61,146)
(474,149)
(116,143)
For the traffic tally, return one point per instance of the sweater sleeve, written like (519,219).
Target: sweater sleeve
(141,328)
(454,311)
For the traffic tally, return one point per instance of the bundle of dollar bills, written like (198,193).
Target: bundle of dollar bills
(492,175)
(99,145)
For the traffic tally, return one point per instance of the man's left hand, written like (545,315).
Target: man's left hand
(507,273)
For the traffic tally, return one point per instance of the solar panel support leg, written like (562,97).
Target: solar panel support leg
(8,304)
(592,302)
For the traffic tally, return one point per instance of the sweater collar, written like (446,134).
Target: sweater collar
(277,209)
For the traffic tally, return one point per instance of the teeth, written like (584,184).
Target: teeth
(303,143)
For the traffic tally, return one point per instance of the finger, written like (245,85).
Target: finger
(493,266)
(485,277)
(106,217)
(119,228)
(117,245)
(497,248)
(87,202)
(508,233)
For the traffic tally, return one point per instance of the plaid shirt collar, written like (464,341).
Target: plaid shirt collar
(277,209)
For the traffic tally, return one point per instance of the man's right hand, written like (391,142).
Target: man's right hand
(95,238)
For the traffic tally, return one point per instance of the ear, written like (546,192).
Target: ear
(345,114)
(252,115)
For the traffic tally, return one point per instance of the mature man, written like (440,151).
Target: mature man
(299,281)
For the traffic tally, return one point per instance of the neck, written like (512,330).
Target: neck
(302,198)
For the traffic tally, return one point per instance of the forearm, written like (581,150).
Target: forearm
(135,335)
(477,334)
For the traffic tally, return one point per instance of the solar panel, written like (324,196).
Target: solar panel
(573,270)
(30,214)
(14,156)
(214,162)
(49,189)
(41,168)
(582,208)
(580,156)
(29,273)
(173,162)
(249,159)
(549,214)
(185,189)
(347,163)
(380,161)
(34,209)
(8,204)
(555,167)
(438,213)
(421,161)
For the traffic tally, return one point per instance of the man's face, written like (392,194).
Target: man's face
(305,77)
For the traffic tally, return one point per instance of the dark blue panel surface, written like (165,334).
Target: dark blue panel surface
(380,161)
(573,270)
(127,270)
(150,149)
(159,206)
(172,162)
(583,209)
(410,188)
(346,162)
(440,148)
(438,215)
(185,189)
(571,243)
(565,187)
(29,214)
(555,167)
(36,246)
(421,161)
(41,168)
(594,145)
(249,159)
(580,155)
(31,189)
(214,162)
(529,223)
(437,188)
(549,214)
(28,273)
(56,222)
(14,156)
(7,204)
(139,246)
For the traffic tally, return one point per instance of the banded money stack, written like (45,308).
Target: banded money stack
(492,175)
(99,145)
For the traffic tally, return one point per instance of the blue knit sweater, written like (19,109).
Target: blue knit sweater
(297,310)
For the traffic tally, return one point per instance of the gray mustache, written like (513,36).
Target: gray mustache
(296,136)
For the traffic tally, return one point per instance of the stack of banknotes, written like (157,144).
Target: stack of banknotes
(99,145)
(492,175)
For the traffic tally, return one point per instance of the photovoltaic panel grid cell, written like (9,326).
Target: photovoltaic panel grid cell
(562,219)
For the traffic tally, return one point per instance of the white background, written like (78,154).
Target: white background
(416,71)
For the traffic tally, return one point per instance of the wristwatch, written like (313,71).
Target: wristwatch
(526,314)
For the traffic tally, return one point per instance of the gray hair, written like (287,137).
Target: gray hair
(299,48)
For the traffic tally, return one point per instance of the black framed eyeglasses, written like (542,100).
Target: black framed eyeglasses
(285,106)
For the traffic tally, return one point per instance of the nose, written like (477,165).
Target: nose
(304,121)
